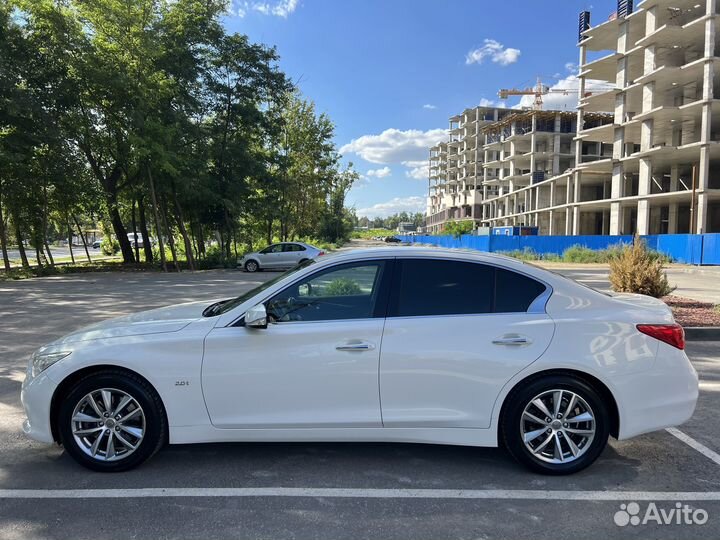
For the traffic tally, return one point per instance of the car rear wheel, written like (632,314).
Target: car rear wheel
(252,266)
(555,425)
(112,421)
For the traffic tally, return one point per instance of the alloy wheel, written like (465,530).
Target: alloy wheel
(108,424)
(557,426)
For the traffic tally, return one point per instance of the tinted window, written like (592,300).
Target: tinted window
(275,248)
(293,247)
(342,292)
(443,287)
(515,292)
(427,287)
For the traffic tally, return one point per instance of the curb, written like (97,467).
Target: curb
(702,333)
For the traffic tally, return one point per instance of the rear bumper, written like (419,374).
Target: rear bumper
(660,398)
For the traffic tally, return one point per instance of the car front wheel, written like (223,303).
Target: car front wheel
(251,266)
(555,425)
(112,421)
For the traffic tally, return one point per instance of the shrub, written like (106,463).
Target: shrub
(342,287)
(581,254)
(458,228)
(636,270)
(110,246)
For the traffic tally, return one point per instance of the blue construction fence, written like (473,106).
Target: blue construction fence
(682,248)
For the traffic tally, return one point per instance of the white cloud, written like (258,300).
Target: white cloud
(571,67)
(379,173)
(395,145)
(484,102)
(417,169)
(495,51)
(278,8)
(567,100)
(429,106)
(393,206)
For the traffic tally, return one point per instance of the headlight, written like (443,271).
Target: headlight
(41,361)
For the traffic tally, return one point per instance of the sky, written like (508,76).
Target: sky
(390,73)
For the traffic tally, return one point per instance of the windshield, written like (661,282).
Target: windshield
(224,306)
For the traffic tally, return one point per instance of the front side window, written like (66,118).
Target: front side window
(275,248)
(342,292)
(424,287)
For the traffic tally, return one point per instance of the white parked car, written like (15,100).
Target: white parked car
(279,256)
(477,349)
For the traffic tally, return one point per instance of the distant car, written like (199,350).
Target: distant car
(131,239)
(96,244)
(392,240)
(279,256)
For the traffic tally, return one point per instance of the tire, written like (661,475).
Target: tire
(136,436)
(580,442)
(252,266)
(303,261)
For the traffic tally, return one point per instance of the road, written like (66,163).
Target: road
(402,491)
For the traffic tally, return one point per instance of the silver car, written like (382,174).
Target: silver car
(279,256)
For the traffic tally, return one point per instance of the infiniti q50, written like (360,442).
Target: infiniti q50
(391,344)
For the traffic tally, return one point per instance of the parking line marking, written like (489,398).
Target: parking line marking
(363,493)
(687,439)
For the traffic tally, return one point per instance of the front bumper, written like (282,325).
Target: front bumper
(36,396)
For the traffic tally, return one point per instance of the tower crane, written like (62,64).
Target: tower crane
(539,90)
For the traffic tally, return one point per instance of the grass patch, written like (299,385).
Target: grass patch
(582,255)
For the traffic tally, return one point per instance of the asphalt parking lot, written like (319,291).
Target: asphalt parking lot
(322,490)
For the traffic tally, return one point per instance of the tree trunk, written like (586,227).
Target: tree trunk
(3,241)
(38,254)
(171,239)
(120,232)
(135,232)
(183,232)
(82,238)
(147,243)
(21,246)
(158,231)
(50,255)
(69,237)
(200,240)
(268,236)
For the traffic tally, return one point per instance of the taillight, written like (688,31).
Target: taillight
(321,253)
(672,334)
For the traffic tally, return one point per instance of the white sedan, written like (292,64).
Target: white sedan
(391,344)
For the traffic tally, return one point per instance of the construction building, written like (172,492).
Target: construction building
(455,185)
(645,154)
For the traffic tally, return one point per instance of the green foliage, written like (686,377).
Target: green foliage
(150,115)
(109,246)
(371,233)
(342,287)
(634,270)
(583,255)
(458,228)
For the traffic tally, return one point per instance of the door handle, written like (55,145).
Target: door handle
(512,340)
(358,346)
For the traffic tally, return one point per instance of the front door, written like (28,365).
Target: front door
(456,333)
(315,365)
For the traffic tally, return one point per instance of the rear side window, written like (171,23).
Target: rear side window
(515,292)
(293,247)
(429,287)
(444,287)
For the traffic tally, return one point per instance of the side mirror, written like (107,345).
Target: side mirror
(256,317)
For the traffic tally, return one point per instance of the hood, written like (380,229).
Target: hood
(154,321)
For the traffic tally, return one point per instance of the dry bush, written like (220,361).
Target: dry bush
(635,270)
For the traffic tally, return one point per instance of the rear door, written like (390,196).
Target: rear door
(292,253)
(456,332)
